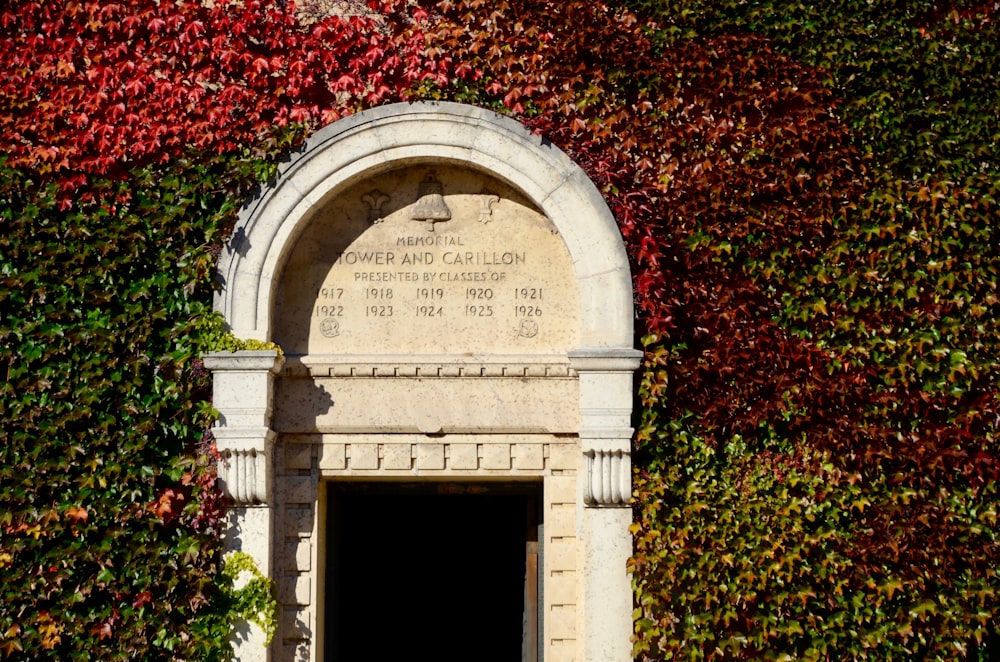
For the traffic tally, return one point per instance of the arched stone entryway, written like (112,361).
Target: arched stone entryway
(455,305)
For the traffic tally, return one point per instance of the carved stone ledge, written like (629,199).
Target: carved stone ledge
(606,359)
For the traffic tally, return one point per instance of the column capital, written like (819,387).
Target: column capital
(243,393)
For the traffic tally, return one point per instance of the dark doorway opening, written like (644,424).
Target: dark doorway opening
(438,571)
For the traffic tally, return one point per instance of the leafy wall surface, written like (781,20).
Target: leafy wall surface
(807,195)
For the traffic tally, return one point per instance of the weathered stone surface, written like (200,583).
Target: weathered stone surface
(430,456)
(495,277)
(427,405)
(454,303)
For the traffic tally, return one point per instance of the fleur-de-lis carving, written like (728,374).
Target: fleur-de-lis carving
(487,203)
(376,200)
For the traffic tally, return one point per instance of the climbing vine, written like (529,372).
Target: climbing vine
(254,600)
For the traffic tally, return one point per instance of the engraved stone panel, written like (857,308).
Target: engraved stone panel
(430,260)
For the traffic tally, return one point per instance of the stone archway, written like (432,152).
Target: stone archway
(455,304)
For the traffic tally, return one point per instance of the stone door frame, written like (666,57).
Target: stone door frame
(602,365)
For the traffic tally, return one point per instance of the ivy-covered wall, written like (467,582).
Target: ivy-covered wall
(808,194)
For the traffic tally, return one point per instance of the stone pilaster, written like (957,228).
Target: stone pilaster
(243,392)
(605,488)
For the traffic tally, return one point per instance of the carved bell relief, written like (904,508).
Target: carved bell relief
(430,206)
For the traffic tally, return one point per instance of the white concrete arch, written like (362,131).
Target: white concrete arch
(390,136)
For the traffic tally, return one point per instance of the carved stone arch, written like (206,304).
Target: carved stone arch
(377,140)
(576,445)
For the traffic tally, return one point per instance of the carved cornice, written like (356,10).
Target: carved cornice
(605,359)
(244,361)
(428,366)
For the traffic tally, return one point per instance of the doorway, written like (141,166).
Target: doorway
(442,571)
